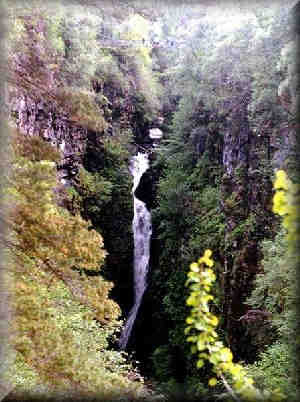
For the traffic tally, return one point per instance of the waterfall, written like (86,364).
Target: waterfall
(141,233)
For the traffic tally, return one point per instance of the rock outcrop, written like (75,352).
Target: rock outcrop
(146,188)
(39,118)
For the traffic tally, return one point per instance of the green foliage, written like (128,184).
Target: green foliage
(161,358)
(207,221)
(52,14)
(80,27)
(272,285)
(135,31)
(195,388)
(93,192)
(244,229)
(173,194)
(35,149)
(95,85)
(273,369)
(77,354)
(82,108)
(44,72)
(109,70)
(172,388)
(116,148)
(106,200)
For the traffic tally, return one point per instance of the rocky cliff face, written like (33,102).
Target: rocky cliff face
(235,202)
(288,95)
(247,194)
(41,119)
(145,190)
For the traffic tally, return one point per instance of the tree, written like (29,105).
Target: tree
(51,249)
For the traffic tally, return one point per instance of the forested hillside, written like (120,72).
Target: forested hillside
(209,93)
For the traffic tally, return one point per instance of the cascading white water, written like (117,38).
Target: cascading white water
(142,231)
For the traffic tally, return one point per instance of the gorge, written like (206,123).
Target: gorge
(141,135)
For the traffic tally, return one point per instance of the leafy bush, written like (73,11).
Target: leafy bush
(161,358)
(272,285)
(91,194)
(81,108)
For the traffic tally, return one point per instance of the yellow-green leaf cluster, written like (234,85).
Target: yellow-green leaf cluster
(286,204)
(201,331)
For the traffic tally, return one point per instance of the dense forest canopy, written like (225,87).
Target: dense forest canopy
(86,82)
